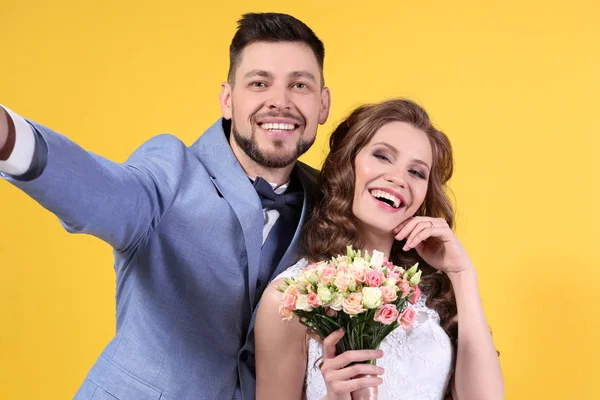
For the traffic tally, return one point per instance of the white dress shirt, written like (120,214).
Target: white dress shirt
(21,157)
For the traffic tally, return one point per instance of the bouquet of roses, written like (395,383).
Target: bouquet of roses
(365,295)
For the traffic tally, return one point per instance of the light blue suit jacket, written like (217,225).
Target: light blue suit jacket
(186,227)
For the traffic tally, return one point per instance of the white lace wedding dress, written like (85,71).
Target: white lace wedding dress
(417,362)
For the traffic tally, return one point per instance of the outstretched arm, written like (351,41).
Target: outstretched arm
(119,203)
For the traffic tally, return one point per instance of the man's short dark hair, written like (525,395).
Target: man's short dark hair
(271,27)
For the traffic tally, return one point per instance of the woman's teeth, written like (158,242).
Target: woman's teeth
(383,196)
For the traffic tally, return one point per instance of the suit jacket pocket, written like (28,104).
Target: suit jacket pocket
(113,382)
(90,391)
(101,394)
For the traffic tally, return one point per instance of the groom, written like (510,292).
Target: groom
(197,231)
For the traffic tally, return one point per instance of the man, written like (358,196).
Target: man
(197,235)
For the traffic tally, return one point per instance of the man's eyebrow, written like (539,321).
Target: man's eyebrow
(258,72)
(267,74)
(303,74)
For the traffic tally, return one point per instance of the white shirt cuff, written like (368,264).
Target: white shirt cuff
(21,157)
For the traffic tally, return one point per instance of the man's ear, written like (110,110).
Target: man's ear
(325,105)
(225,100)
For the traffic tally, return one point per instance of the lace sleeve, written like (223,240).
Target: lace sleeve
(293,270)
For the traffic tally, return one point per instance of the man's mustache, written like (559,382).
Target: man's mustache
(274,114)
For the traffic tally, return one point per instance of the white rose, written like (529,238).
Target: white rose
(302,303)
(389,282)
(372,297)
(377,259)
(359,263)
(336,301)
(324,294)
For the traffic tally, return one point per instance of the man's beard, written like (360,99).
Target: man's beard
(280,160)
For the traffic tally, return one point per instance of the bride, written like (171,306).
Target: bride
(383,188)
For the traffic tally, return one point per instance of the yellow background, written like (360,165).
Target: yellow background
(514,84)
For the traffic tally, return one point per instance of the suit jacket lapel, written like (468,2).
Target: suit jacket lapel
(232,182)
(292,254)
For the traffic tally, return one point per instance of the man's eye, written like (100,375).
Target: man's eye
(300,85)
(258,84)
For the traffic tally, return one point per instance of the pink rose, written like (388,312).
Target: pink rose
(313,300)
(374,278)
(387,264)
(357,273)
(331,312)
(285,313)
(326,275)
(321,264)
(386,314)
(393,274)
(352,304)
(290,296)
(342,263)
(416,294)
(407,317)
(342,281)
(388,294)
(404,288)
(310,266)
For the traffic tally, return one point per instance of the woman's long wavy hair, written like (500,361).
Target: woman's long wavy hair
(332,225)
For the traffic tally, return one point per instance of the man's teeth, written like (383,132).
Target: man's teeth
(277,127)
(380,194)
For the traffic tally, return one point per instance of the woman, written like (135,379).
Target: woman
(383,188)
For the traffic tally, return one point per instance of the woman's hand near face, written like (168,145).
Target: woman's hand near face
(435,242)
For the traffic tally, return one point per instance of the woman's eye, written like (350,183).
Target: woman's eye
(417,173)
(381,157)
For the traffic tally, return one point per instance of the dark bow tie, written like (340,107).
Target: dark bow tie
(285,203)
